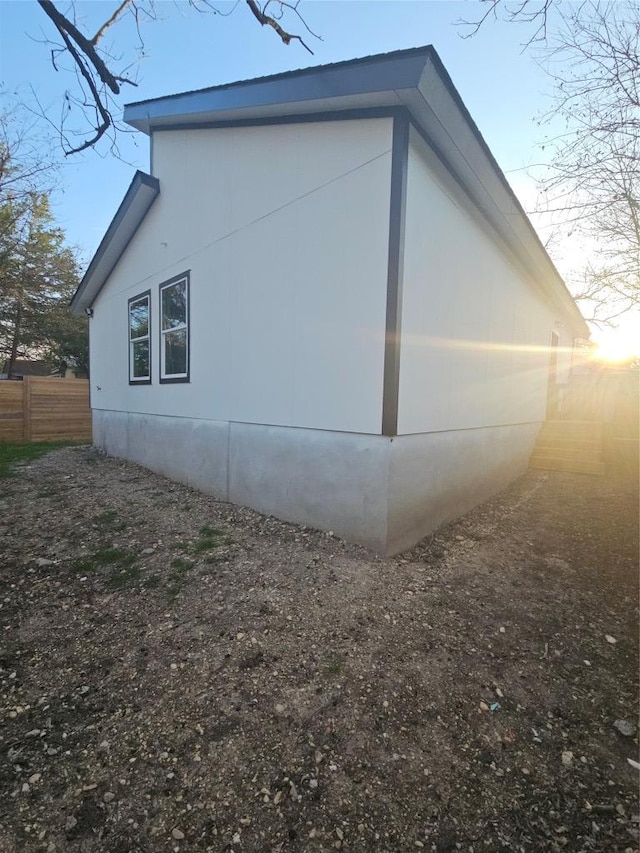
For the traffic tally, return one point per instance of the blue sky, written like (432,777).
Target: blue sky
(502,85)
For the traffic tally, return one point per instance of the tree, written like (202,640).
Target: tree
(38,276)
(100,76)
(38,273)
(591,185)
(535,14)
(594,177)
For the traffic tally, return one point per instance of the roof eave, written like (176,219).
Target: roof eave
(372,81)
(457,138)
(416,80)
(141,194)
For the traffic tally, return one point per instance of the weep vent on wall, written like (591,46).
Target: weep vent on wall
(411,81)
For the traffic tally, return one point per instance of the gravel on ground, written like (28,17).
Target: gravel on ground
(179,674)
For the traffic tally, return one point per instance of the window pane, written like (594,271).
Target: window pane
(174,305)
(139,318)
(140,359)
(175,352)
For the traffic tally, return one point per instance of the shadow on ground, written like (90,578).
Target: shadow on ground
(181,674)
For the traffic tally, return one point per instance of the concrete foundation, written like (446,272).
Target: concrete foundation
(436,477)
(384,493)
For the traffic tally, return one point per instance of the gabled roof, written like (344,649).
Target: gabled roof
(139,197)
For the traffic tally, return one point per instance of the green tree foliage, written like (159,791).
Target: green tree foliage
(38,276)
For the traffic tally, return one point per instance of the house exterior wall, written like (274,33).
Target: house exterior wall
(285,232)
(475,332)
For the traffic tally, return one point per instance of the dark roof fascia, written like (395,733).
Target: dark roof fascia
(141,194)
(297,118)
(504,235)
(368,76)
(565,298)
(375,86)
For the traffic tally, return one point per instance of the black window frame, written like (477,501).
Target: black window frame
(146,294)
(172,379)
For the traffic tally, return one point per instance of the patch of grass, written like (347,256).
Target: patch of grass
(334,667)
(208,539)
(181,566)
(12,453)
(124,569)
(178,576)
(124,577)
(152,581)
(204,545)
(104,557)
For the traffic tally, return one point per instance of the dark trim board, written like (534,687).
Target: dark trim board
(145,295)
(414,79)
(174,380)
(299,118)
(374,86)
(369,77)
(397,215)
(313,70)
(141,194)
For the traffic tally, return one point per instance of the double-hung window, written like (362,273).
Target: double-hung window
(139,340)
(174,329)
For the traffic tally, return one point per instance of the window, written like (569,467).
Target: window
(139,349)
(174,329)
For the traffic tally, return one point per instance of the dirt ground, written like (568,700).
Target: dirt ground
(178,674)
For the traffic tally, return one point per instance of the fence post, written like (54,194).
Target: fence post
(26,407)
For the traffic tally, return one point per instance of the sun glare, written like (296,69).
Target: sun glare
(617,348)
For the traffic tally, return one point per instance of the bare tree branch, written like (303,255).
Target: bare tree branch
(268,20)
(109,22)
(69,31)
(594,176)
(526,12)
(102,128)
(99,80)
(591,185)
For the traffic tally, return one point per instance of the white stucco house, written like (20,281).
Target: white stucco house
(325,302)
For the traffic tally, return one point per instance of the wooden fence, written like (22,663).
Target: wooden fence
(43,409)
